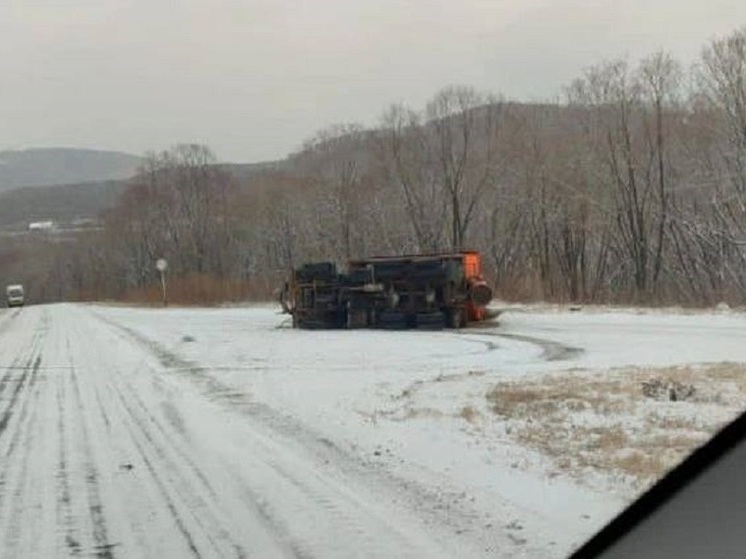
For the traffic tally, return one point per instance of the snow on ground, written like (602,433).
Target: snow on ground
(247,436)
(622,429)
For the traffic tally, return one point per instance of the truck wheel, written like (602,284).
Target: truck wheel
(392,320)
(454,318)
(357,318)
(430,321)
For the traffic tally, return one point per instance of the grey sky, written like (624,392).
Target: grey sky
(254,78)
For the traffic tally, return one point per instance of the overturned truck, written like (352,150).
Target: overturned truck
(426,291)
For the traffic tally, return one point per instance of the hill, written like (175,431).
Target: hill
(61,204)
(66,203)
(60,166)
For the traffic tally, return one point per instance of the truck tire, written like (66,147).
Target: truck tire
(455,317)
(430,321)
(357,318)
(392,320)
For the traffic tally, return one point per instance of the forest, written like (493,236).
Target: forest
(628,188)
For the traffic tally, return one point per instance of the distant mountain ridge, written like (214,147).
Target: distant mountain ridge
(62,204)
(39,167)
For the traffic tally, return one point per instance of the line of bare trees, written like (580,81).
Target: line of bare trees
(631,188)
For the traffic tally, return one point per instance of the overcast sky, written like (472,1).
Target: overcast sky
(254,78)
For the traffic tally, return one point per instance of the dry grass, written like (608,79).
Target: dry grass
(641,465)
(200,289)
(470,414)
(605,423)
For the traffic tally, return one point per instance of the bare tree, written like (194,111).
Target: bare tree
(408,165)
(337,158)
(466,125)
(444,160)
(722,77)
(659,76)
(629,111)
(176,206)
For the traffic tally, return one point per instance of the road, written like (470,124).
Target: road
(97,459)
(198,433)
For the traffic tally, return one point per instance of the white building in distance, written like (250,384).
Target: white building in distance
(41,226)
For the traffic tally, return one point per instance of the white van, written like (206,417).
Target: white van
(15,296)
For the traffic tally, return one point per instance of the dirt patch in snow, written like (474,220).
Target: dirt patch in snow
(607,423)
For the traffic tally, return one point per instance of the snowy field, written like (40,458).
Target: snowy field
(131,432)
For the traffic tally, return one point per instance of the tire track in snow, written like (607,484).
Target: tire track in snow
(250,501)
(551,350)
(102,410)
(176,496)
(10,372)
(176,516)
(101,545)
(61,426)
(340,484)
(359,526)
(17,402)
(17,430)
(30,366)
(135,438)
(183,486)
(145,417)
(16,471)
(260,508)
(341,511)
(64,510)
(31,391)
(38,437)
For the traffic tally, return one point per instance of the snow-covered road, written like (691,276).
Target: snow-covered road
(222,433)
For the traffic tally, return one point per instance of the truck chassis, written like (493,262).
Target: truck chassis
(425,291)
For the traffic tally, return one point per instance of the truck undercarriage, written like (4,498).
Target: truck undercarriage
(427,291)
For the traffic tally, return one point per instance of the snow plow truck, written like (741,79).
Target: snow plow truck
(424,291)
